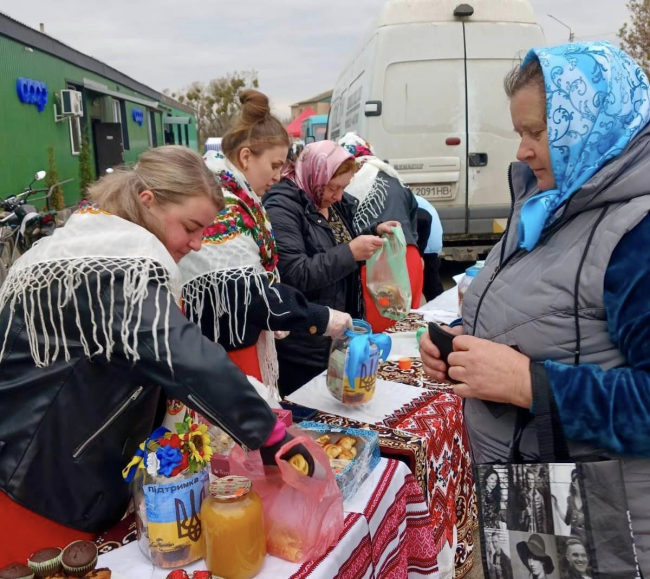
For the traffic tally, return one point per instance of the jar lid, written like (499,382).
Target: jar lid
(230,487)
(359,328)
(472,271)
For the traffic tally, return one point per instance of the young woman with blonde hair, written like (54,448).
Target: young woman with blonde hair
(90,337)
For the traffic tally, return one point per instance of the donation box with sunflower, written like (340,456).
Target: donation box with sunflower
(169,478)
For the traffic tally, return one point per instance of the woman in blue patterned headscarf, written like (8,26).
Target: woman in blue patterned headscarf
(561,307)
(596,103)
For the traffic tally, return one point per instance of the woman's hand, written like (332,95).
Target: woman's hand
(386,228)
(490,371)
(434,367)
(268,453)
(365,246)
(338,323)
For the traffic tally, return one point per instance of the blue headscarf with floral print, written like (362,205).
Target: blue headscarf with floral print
(597,101)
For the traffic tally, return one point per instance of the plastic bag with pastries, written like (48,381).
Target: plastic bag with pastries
(303,515)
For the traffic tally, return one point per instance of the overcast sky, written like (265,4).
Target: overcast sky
(298,47)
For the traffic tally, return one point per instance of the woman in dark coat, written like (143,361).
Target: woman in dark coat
(319,249)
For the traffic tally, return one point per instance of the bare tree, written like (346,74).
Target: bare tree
(216,102)
(636,37)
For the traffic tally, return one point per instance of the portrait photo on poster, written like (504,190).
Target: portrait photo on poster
(529,508)
(568,512)
(573,559)
(534,556)
(498,558)
(493,483)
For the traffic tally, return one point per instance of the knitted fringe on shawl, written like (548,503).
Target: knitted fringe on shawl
(373,205)
(214,286)
(46,291)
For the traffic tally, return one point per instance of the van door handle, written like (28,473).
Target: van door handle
(478,159)
(372,108)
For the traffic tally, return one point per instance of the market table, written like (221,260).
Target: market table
(388,533)
(421,423)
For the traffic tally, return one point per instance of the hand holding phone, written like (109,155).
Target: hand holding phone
(444,341)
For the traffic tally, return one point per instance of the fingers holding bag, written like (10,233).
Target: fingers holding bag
(298,456)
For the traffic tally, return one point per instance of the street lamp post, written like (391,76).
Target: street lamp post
(571,35)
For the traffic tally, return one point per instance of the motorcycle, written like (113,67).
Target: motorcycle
(22,224)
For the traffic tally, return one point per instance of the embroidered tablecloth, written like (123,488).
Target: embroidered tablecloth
(427,433)
(388,533)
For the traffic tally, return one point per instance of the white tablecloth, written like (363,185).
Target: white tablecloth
(388,533)
(389,397)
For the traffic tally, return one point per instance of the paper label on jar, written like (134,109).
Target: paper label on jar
(173,521)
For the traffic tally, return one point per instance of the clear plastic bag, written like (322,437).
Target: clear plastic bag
(303,515)
(388,279)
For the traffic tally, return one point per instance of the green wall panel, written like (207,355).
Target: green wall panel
(25,134)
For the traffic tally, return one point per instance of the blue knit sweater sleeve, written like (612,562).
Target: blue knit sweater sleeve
(611,408)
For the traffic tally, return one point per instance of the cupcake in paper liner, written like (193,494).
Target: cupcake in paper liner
(16,571)
(46,562)
(79,558)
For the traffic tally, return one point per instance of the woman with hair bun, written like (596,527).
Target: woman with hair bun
(231,286)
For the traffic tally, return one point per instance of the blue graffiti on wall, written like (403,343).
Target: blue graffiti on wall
(138,116)
(32,92)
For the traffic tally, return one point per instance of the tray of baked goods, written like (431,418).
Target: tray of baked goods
(353,453)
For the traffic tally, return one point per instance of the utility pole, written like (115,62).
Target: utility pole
(571,35)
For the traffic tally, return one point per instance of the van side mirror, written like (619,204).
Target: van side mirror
(463,11)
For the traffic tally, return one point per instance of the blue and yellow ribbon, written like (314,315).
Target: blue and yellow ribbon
(139,459)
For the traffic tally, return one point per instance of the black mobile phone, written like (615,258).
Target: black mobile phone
(299,413)
(442,339)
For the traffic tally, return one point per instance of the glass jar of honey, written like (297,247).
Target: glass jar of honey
(233,529)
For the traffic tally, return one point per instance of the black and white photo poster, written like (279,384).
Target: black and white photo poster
(534,556)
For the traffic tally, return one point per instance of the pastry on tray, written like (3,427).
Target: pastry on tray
(343,450)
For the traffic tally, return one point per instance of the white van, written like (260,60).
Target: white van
(425,88)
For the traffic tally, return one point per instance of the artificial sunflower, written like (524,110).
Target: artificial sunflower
(198,444)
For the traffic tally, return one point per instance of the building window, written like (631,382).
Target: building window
(180,135)
(124,119)
(75,128)
(119,114)
(153,137)
(187,135)
(75,135)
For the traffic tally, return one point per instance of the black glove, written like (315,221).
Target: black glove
(268,453)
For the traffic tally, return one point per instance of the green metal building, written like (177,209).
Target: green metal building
(121,116)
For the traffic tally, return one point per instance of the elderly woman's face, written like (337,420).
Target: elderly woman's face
(528,111)
(334,190)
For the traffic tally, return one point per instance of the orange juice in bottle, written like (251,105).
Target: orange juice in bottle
(233,529)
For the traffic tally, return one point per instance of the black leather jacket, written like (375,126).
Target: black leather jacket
(68,429)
